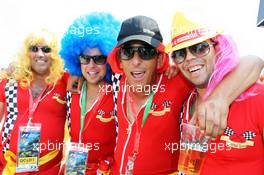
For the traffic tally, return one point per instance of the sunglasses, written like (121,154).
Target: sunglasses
(198,50)
(44,49)
(98,59)
(144,52)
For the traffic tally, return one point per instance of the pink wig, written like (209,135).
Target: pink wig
(227,59)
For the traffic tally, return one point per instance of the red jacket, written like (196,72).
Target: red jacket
(160,130)
(100,134)
(51,113)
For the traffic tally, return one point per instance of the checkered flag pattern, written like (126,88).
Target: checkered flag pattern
(153,106)
(12,112)
(166,103)
(116,82)
(229,131)
(68,108)
(101,112)
(249,135)
(181,119)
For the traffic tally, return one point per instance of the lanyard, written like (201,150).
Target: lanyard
(33,104)
(144,119)
(83,109)
(83,106)
(189,101)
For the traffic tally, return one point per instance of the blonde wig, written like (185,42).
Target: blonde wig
(23,72)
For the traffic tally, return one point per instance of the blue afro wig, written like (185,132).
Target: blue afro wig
(94,30)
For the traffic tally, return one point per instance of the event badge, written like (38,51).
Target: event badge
(28,148)
(130,165)
(76,159)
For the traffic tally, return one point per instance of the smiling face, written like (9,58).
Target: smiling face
(93,73)
(40,60)
(198,70)
(139,72)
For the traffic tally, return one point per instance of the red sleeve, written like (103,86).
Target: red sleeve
(185,83)
(2,90)
(255,100)
(182,86)
(65,77)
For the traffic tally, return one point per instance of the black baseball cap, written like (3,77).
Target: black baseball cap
(140,28)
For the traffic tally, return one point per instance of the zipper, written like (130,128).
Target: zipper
(130,124)
(129,132)
(124,150)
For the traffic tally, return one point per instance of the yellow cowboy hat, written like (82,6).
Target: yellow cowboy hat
(186,33)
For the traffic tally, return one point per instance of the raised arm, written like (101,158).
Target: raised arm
(74,84)
(212,113)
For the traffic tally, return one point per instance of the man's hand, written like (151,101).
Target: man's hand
(74,84)
(212,116)
(212,113)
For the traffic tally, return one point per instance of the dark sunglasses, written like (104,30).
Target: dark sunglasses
(144,52)
(198,50)
(98,59)
(44,49)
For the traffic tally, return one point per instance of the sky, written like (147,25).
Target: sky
(236,18)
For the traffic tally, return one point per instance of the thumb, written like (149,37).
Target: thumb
(201,113)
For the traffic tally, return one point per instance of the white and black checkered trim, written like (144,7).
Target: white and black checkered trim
(12,112)
(116,83)
(181,119)
(229,131)
(249,135)
(68,108)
